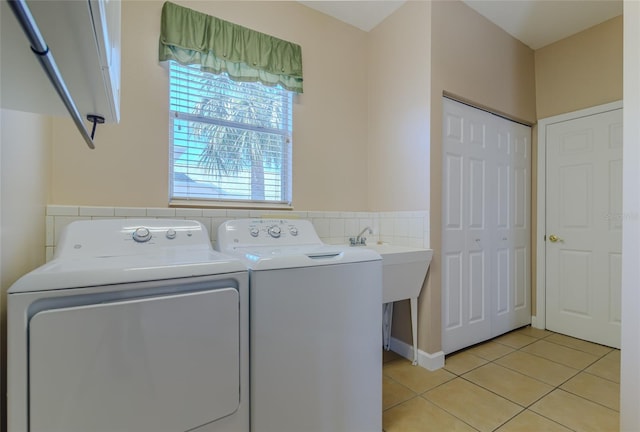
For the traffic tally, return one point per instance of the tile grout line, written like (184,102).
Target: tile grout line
(588,400)
(523,408)
(449,412)
(552,420)
(499,395)
(558,387)
(555,387)
(601,377)
(509,419)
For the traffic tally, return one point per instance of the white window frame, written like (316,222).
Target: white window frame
(285,169)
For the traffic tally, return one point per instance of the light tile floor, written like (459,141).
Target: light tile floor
(527,380)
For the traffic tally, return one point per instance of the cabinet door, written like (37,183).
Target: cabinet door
(486,220)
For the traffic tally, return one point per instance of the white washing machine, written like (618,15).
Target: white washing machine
(134,326)
(316,361)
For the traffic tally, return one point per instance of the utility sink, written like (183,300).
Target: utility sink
(403,272)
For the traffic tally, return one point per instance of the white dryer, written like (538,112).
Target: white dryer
(134,326)
(316,358)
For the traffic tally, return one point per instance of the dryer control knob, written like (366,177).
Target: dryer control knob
(293,230)
(171,233)
(142,235)
(274,231)
(254,231)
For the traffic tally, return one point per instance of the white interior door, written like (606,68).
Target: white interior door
(584,227)
(486,225)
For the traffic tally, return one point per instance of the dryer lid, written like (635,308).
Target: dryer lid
(103,252)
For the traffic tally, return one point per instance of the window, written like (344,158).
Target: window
(229,141)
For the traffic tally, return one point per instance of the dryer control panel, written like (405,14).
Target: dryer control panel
(117,237)
(238,233)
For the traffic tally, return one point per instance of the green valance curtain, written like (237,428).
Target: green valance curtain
(191,37)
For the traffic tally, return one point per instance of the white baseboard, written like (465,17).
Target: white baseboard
(535,323)
(426,360)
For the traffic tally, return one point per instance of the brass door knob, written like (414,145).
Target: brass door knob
(554,238)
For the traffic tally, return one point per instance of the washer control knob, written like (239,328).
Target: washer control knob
(142,235)
(293,230)
(171,233)
(274,231)
(254,231)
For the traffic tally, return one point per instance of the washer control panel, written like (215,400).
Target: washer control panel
(237,233)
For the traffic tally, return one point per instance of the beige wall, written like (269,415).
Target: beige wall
(473,59)
(399,103)
(25,169)
(580,71)
(129,165)
(399,125)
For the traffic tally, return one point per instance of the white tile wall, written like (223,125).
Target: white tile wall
(130,212)
(96,211)
(400,228)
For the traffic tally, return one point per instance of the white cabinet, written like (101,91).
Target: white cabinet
(84,39)
(485,227)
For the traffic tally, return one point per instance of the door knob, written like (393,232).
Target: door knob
(554,238)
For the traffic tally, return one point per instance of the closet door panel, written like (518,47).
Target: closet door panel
(477,294)
(453,200)
(521,280)
(502,278)
(516,237)
(486,194)
(521,227)
(452,298)
(466,257)
(503,281)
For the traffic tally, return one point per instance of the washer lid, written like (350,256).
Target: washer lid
(104,252)
(266,244)
(275,233)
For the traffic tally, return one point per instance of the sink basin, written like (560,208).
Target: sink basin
(403,273)
(403,270)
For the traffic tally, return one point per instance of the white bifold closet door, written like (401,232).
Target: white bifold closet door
(485,226)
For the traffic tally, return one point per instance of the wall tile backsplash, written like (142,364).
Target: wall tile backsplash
(400,228)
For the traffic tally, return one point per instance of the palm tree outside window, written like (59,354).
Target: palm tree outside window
(230,140)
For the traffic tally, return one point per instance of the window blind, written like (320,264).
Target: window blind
(230,140)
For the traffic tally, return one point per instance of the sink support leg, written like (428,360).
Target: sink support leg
(387,318)
(414,328)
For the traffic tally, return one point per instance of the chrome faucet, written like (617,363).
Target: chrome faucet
(359,240)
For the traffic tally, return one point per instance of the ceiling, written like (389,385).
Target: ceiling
(363,14)
(536,23)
